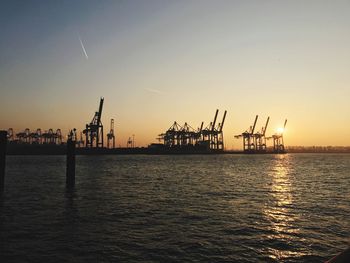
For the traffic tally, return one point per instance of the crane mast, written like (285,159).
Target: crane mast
(111,136)
(94,130)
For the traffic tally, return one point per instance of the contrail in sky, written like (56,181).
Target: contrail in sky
(153,90)
(82,46)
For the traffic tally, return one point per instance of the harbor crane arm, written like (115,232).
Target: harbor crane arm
(100,111)
(267,123)
(201,128)
(256,119)
(216,115)
(223,121)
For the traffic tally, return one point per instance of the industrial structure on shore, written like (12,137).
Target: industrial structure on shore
(94,130)
(257,142)
(178,138)
(35,137)
(208,138)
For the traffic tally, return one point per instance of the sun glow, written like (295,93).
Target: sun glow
(280,130)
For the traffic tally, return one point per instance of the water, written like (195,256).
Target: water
(224,208)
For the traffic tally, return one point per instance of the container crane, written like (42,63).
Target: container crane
(80,142)
(249,142)
(260,138)
(24,137)
(278,141)
(111,136)
(36,137)
(94,131)
(220,135)
(213,135)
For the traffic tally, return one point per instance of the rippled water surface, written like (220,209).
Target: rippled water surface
(222,208)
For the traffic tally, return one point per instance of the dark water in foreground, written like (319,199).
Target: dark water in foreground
(227,208)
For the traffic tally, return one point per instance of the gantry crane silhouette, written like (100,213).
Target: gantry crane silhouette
(94,130)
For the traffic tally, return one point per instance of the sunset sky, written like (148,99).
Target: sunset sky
(155,62)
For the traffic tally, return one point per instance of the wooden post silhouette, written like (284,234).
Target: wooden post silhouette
(3,142)
(70,173)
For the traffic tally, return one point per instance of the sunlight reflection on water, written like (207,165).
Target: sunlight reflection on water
(278,210)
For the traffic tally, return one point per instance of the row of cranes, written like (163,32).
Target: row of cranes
(177,136)
(257,142)
(210,137)
(35,137)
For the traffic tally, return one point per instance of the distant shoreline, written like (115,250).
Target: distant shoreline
(25,149)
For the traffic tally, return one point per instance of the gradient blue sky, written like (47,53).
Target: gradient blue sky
(160,61)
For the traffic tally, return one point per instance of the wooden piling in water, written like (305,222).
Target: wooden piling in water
(70,172)
(3,142)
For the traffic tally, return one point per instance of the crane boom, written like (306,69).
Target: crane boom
(200,130)
(285,123)
(223,121)
(267,123)
(216,115)
(256,119)
(99,114)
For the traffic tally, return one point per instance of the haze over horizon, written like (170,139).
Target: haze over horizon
(155,62)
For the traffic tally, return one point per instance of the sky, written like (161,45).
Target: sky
(156,62)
